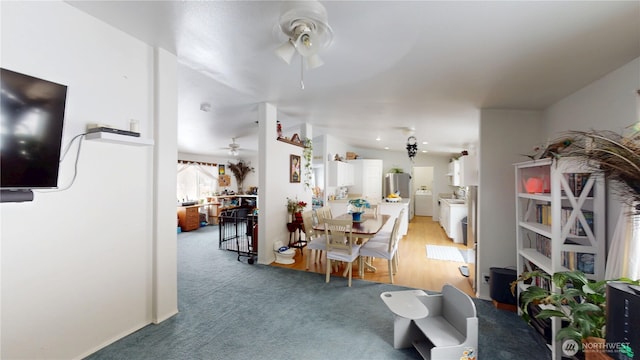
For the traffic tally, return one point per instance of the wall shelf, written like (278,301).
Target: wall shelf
(285,140)
(119,139)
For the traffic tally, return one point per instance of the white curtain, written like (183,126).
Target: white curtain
(196,181)
(624,251)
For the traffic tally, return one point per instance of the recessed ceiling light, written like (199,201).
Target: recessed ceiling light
(425,142)
(386,148)
(378,138)
(424,151)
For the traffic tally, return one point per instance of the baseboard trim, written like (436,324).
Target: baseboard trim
(166,317)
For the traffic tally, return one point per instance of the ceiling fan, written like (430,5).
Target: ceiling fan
(234,149)
(308,31)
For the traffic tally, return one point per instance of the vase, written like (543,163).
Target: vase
(356,216)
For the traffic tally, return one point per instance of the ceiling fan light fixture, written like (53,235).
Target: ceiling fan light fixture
(286,51)
(313,62)
(306,26)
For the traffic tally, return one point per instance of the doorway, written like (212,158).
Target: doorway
(422,191)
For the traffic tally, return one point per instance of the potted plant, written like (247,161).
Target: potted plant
(240,171)
(295,207)
(578,302)
(356,208)
(308,159)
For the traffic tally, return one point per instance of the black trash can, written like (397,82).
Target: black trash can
(464,230)
(500,285)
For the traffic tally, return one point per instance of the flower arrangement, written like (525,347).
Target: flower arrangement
(357,205)
(295,205)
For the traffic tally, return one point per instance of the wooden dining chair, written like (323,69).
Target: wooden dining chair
(323,213)
(385,250)
(316,242)
(373,209)
(341,245)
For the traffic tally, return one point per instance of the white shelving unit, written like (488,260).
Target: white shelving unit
(561,227)
(119,139)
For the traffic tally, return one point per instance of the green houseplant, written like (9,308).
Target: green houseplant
(308,158)
(579,302)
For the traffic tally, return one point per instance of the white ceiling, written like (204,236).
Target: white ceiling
(430,65)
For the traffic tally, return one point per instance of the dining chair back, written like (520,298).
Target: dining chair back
(385,250)
(316,242)
(323,213)
(373,209)
(340,244)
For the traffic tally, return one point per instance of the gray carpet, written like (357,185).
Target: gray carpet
(233,310)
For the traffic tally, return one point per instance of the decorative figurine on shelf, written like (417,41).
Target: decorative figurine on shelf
(279,128)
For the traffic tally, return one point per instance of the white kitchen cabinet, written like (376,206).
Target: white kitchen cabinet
(468,170)
(340,173)
(451,214)
(367,178)
(454,173)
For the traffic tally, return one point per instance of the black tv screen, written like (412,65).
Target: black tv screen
(30,131)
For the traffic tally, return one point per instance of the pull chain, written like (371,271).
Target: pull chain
(301,73)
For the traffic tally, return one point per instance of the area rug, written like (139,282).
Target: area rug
(448,253)
(469,255)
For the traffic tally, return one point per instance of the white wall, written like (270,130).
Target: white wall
(504,135)
(274,162)
(78,265)
(610,103)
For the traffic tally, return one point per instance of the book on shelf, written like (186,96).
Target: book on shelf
(543,245)
(577,182)
(543,214)
(576,228)
(584,262)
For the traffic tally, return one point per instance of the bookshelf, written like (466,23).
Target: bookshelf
(560,222)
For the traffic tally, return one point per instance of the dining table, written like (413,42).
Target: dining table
(363,230)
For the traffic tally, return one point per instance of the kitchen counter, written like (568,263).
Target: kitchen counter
(454,202)
(452,211)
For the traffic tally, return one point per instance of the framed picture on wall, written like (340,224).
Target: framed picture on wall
(294,168)
(220,169)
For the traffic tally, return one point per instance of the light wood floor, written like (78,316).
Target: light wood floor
(415,269)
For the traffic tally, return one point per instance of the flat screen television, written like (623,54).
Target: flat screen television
(31,124)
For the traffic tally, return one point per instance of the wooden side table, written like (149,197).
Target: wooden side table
(296,241)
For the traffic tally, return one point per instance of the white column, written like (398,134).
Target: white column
(164,272)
